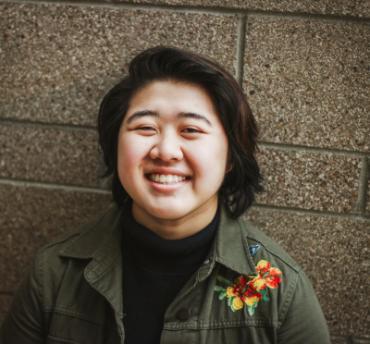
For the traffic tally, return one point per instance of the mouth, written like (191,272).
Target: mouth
(166,179)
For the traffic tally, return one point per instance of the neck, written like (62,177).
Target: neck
(177,228)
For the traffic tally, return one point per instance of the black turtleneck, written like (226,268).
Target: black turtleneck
(154,271)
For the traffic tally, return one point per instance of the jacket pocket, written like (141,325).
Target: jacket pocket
(73,328)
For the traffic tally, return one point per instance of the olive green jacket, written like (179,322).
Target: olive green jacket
(73,293)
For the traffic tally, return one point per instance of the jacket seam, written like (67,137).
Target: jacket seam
(40,278)
(288,301)
(60,239)
(218,325)
(251,261)
(62,340)
(222,324)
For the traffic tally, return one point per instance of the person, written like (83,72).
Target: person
(172,260)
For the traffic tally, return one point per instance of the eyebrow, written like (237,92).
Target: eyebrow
(139,114)
(143,113)
(195,116)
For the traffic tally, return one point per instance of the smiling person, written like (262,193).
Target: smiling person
(172,260)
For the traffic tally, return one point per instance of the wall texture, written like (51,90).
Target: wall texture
(305,66)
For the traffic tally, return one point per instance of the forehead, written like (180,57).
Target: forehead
(172,96)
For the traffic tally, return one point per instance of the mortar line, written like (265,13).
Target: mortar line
(295,210)
(75,188)
(51,125)
(135,6)
(240,48)
(313,16)
(302,148)
(272,145)
(362,187)
(201,9)
(52,186)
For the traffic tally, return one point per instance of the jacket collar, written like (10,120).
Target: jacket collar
(98,238)
(231,247)
(102,244)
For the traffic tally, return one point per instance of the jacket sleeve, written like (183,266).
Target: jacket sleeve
(303,321)
(23,324)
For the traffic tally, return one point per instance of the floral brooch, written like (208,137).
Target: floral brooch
(249,290)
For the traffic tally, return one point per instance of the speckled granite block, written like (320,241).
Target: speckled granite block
(31,216)
(63,156)
(360,8)
(57,61)
(308,81)
(309,180)
(334,252)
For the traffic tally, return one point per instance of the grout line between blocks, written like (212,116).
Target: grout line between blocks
(200,9)
(53,186)
(363,185)
(135,6)
(294,210)
(74,188)
(240,49)
(278,146)
(301,148)
(37,124)
(312,16)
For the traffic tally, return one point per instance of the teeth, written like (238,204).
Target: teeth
(166,179)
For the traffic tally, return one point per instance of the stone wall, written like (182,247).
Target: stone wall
(305,68)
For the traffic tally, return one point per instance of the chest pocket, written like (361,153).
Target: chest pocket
(220,333)
(71,328)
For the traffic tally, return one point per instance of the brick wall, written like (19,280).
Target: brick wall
(305,68)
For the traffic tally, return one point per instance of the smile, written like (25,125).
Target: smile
(166,178)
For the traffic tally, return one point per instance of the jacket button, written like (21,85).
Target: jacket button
(183,314)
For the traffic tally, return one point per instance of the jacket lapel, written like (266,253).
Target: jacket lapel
(101,244)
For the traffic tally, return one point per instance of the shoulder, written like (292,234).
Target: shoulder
(295,286)
(262,246)
(82,240)
(71,250)
(63,260)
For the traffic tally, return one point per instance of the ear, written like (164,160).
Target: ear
(229,164)
(229,168)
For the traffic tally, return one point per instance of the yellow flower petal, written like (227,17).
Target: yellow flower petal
(250,301)
(263,265)
(258,283)
(230,292)
(237,303)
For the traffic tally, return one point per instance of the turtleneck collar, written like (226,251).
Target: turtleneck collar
(156,254)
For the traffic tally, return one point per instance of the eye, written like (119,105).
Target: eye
(146,130)
(191,130)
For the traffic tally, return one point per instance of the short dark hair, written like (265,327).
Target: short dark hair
(244,179)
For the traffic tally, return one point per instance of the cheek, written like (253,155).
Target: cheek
(209,160)
(130,152)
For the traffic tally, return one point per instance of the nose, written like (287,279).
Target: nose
(167,148)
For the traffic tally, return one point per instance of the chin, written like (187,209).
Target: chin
(167,213)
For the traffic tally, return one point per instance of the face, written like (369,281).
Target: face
(172,154)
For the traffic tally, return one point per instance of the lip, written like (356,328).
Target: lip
(167,171)
(166,188)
